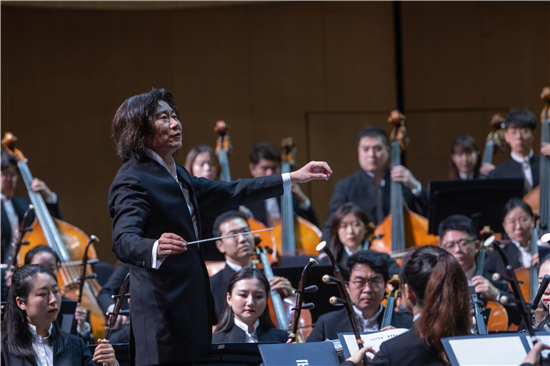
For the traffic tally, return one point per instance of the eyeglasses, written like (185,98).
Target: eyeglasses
(374,284)
(523,132)
(9,175)
(450,245)
(523,221)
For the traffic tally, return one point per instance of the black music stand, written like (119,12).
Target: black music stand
(480,200)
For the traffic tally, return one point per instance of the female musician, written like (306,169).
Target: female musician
(465,159)
(245,317)
(47,257)
(349,234)
(436,290)
(201,162)
(517,222)
(30,334)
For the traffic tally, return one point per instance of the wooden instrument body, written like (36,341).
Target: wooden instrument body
(306,236)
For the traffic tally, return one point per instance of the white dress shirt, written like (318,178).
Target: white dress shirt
(369,325)
(43,347)
(525,256)
(248,337)
(525,165)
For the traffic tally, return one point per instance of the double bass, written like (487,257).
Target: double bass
(68,241)
(293,234)
(495,138)
(402,228)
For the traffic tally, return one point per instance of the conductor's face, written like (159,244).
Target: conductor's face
(167,139)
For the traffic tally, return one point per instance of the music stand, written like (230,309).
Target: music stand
(480,200)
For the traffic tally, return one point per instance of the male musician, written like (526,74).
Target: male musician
(368,276)
(520,126)
(369,187)
(155,205)
(458,236)
(238,252)
(265,160)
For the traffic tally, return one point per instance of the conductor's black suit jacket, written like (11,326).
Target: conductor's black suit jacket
(170,306)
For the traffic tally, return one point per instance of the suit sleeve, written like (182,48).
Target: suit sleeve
(339,197)
(317,334)
(418,204)
(86,354)
(130,210)
(308,214)
(53,208)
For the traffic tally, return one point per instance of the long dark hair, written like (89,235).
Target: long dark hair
(441,290)
(227,319)
(336,246)
(133,127)
(194,152)
(467,144)
(16,335)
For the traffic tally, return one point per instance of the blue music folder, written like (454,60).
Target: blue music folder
(299,354)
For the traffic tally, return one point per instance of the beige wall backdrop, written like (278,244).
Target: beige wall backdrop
(317,71)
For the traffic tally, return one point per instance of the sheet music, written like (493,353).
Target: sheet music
(488,351)
(372,339)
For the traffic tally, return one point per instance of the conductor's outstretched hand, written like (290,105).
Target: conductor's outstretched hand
(314,170)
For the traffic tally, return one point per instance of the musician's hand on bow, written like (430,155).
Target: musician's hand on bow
(357,357)
(80,316)
(314,170)
(105,353)
(39,186)
(545,149)
(170,244)
(533,357)
(484,286)
(486,168)
(282,285)
(401,174)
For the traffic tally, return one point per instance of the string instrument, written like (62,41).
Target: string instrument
(66,240)
(498,317)
(223,149)
(344,299)
(23,230)
(122,294)
(293,234)
(495,139)
(390,301)
(282,311)
(539,197)
(298,334)
(402,228)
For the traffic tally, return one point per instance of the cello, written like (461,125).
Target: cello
(402,228)
(66,240)
(293,234)
(223,149)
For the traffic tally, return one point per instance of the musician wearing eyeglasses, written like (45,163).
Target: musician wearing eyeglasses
(458,236)
(368,276)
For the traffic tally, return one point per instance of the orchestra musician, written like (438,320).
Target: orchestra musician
(245,317)
(465,161)
(349,235)
(30,334)
(265,160)
(434,287)
(155,205)
(523,163)
(518,224)
(238,251)
(369,187)
(367,277)
(458,236)
(201,161)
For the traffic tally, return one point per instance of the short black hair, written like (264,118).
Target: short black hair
(375,260)
(7,160)
(459,223)
(373,131)
(39,249)
(520,118)
(226,216)
(264,150)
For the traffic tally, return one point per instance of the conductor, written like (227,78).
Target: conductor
(156,205)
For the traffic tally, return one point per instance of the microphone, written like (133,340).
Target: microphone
(541,290)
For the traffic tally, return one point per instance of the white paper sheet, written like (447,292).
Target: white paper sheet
(489,351)
(373,339)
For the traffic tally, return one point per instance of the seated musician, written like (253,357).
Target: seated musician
(45,256)
(121,332)
(368,276)
(369,187)
(30,334)
(434,287)
(520,127)
(238,251)
(245,317)
(518,223)
(201,161)
(458,236)
(465,161)
(349,234)
(265,160)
